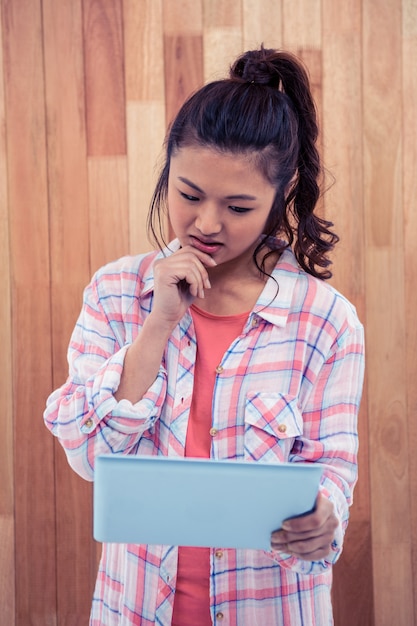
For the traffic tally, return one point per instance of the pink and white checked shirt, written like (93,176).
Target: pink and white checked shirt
(287,389)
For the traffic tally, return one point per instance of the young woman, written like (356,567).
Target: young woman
(226,343)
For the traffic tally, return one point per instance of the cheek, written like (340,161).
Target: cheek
(178,216)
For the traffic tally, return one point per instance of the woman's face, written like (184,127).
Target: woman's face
(218,203)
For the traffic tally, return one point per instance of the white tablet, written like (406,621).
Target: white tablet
(198,502)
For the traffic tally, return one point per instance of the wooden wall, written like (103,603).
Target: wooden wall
(86,90)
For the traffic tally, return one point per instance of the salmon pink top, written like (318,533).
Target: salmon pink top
(214,335)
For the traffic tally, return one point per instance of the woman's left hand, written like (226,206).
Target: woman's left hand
(310,536)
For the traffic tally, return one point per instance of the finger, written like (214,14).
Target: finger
(205,258)
(315,520)
(310,550)
(279,540)
(327,529)
(186,265)
(197,278)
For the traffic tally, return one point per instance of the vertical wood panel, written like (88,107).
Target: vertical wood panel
(409,73)
(69,245)
(103,48)
(109,238)
(89,88)
(223,37)
(143,50)
(302,24)
(7,543)
(183,70)
(146,131)
(31,327)
(145,116)
(389,463)
(262,23)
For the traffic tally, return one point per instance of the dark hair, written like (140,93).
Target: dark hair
(264,110)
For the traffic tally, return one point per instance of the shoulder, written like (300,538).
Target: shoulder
(317,301)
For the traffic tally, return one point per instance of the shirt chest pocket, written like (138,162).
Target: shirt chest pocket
(272,421)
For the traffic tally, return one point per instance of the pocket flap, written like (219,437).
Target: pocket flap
(276,413)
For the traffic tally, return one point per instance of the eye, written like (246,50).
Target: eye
(239,209)
(186,196)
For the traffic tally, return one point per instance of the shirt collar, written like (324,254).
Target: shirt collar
(274,303)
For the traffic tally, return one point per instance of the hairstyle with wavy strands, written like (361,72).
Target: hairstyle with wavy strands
(264,111)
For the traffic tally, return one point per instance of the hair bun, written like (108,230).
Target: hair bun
(257,67)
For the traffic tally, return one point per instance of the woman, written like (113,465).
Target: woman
(229,344)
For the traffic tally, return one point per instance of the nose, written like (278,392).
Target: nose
(208,220)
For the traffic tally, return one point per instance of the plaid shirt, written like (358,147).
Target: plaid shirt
(287,389)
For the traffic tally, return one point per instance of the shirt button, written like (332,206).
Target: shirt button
(219,369)
(219,615)
(255,321)
(213,432)
(282,428)
(89,423)
(218,554)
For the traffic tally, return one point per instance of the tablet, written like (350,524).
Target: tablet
(198,502)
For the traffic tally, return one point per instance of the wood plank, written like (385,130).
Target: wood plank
(104,72)
(76,549)
(70,272)
(385,266)
(262,23)
(222,37)
(409,92)
(389,464)
(183,70)
(342,143)
(183,16)
(7,534)
(301,24)
(145,131)
(352,588)
(7,582)
(108,209)
(145,93)
(28,200)
(143,49)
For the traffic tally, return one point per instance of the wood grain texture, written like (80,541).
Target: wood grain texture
(222,34)
(143,46)
(7,534)
(262,23)
(389,461)
(70,271)
(146,131)
(89,88)
(108,203)
(409,90)
(302,23)
(183,16)
(31,323)
(183,70)
(352,589)
(103,50)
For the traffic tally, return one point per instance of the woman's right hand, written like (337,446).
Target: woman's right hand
(179,279)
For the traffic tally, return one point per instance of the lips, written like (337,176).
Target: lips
(207,246)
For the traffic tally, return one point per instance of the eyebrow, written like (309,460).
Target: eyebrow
(238,196)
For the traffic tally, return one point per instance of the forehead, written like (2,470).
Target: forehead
(210,166)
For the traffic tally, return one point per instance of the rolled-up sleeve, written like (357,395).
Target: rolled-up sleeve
(84,414)
(330,435)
